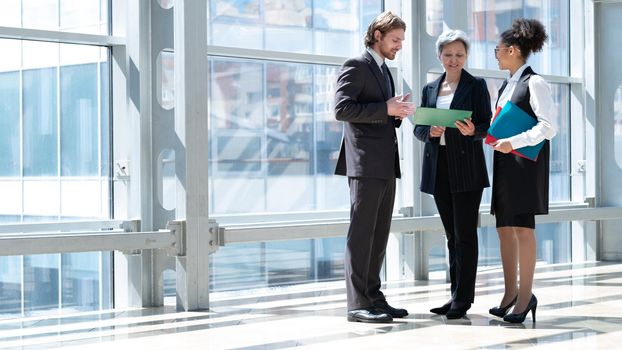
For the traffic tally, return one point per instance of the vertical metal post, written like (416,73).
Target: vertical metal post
(190,37)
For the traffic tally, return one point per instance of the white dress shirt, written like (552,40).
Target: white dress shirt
(443,102)
(542,104)
(379,60)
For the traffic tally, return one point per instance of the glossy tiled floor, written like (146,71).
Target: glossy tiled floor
(579,307)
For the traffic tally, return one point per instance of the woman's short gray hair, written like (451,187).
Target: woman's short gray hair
(449,37)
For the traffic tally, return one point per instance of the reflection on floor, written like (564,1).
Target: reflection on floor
(579,307)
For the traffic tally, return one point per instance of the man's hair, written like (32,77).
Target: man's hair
(385,22)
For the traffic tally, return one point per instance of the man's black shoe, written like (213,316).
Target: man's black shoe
(369,315)
(384,307)
(441,310)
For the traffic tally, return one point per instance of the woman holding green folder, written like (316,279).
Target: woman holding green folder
(520,187)
(454,167)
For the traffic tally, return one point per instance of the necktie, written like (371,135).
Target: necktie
(385,73)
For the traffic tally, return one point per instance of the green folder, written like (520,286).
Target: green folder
(439,117)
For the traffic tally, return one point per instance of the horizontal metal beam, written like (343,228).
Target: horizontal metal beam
(60,37)
(48,243)
(274,55)
(336,228)
(62,226)
(500,74)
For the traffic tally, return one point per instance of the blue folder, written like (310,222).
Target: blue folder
(512,120)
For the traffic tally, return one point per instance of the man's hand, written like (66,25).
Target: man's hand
(437,131)
(503,146)
(466,128)
(399,108)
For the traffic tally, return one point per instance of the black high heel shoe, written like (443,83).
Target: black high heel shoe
(441,310)
(501,311)
(520,318)
(457,310)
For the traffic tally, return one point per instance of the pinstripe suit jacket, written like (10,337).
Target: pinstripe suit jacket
(465,156)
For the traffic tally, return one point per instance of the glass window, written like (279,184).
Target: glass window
(552,244)
(40,122)
(489,18)
(434,17)
(106,126)
(274,137)
(78,16)
(10,285)
(62,93)
(617,124)
(320,27)
(41,283)
(80,281)
(9,124)
(79,141)
(256,265)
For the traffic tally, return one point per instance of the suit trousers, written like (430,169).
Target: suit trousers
(459,213)
(371,209)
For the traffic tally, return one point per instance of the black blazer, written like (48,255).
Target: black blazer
(465,156)
(369,144)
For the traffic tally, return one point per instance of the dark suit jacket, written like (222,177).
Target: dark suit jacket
(369,145)
(465,156)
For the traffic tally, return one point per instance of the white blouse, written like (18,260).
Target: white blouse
(443,102)
(542,104)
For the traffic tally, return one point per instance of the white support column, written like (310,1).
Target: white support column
(583,234)
(190,36)
(132,143)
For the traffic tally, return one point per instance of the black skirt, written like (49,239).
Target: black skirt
(520,188)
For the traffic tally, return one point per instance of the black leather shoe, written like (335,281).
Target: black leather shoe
(441,310)
(369,315)
(457,310)
(384,307)
(502,310)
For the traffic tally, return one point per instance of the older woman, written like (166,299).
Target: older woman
(454,168)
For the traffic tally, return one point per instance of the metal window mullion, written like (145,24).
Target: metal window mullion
(499,74)
(268,55)
(60,37)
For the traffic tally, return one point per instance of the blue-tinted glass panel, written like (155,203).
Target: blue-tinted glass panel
(107,281)
(308,26)
(489,18)
(41,284)
(40,122)
(617,125)
(10,285)
(80,274)
(105,118)
(79,120)
(9,124)
(274,140)
(80,16)
(256,265)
